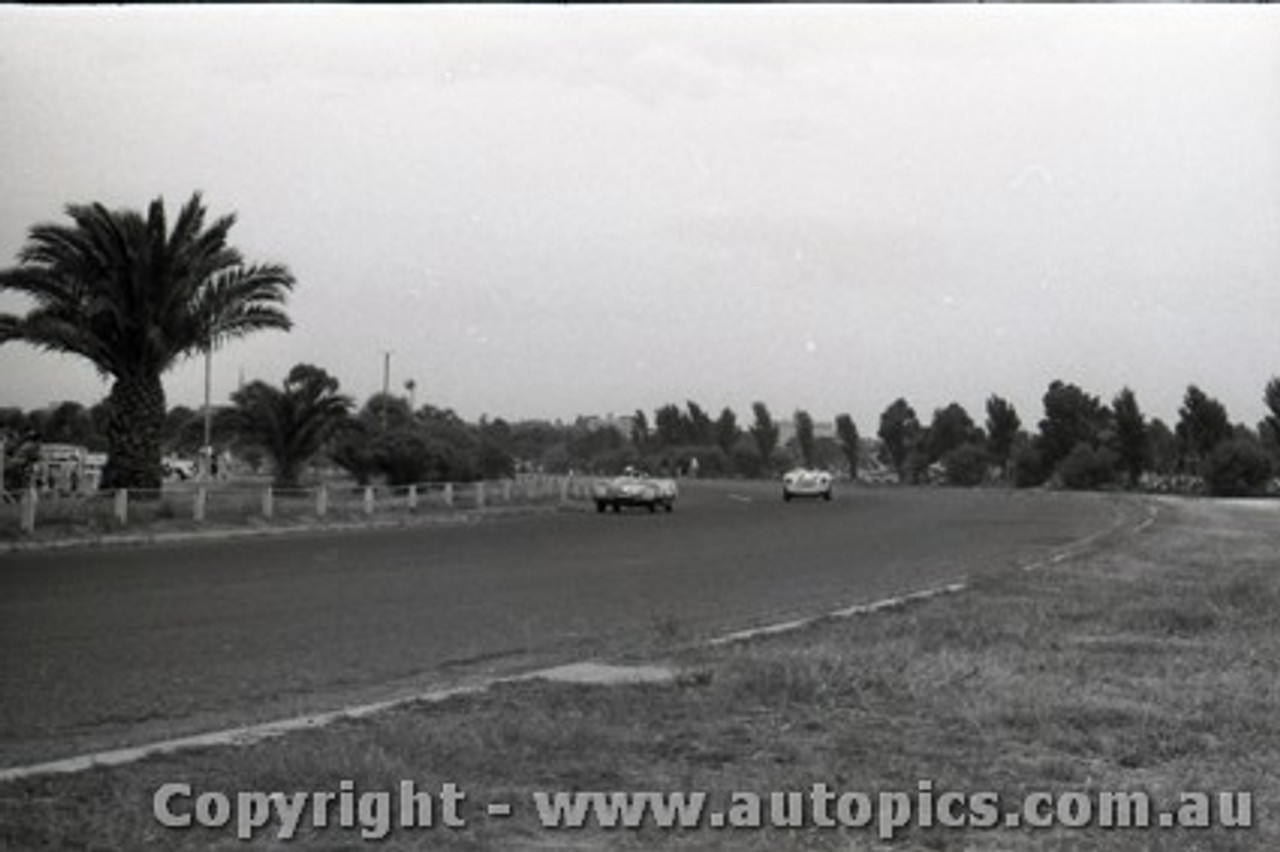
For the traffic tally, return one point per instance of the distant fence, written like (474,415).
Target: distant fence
(193,505)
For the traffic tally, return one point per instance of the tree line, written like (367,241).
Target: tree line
(305,426)
(134,295)
(1083,443)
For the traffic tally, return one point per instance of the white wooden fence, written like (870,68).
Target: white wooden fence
(197,504)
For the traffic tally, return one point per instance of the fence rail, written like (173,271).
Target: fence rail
(22,513)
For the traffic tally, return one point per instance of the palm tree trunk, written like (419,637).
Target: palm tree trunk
(287,470)
(134,428)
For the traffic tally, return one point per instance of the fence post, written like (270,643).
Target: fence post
(448,494)
(29,500)
(122,506)
(480,494)
(564,490)
(197,512)
(368,499)
(506,491)
(322,501)
(413,498)
(268,503)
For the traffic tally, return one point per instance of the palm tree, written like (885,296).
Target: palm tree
(134,298)
(292,424)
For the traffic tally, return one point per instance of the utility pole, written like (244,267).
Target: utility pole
(386,385)
(206,451)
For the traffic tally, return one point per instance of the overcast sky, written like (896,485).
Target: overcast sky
(547,211)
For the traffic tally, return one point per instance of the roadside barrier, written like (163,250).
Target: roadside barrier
(193,505)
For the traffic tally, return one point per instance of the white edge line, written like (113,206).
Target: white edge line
(241,736)
(1062,555)
(250,734)
(846,612)
(767,630)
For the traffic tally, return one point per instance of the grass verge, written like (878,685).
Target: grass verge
(1153,666)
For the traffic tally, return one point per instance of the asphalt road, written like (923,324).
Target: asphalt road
(111,647)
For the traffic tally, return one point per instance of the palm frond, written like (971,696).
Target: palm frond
(55,331)
(239,301)
(138,291)
(211,247)
(248,320)
(46,287)
(10,328)
(245,285)
(156,229)
(190,221)
(57,246)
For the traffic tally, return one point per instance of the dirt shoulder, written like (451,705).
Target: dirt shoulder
(1149,666)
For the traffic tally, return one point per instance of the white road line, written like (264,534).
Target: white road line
(768,630)
(241,736)
(1062,555)
(846,612)
(581,672)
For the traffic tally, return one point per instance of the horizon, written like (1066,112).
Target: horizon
(745,418)
(547,213)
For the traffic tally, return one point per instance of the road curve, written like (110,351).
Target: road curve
(106,648)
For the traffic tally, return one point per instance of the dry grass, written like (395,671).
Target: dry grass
(1154,666)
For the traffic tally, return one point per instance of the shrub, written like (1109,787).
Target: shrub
(1236,468)
(746,458)
(401,457)
(1085,468)
(966,465)
(712,461)
(494,462)
(352,452)
(449,463)
(1028,467)
(555,459)
(610,463)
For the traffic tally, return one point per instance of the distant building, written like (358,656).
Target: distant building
(787,430)
(594,423)
(624,424)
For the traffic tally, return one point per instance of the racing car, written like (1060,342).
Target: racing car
(802,482)
(635,488)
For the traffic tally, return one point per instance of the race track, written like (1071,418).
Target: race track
(111,647)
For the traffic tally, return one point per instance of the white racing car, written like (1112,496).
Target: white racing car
(801,482)
(635,488)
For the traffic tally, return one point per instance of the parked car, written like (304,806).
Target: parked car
(802,482)
(177,469)
(635,488)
